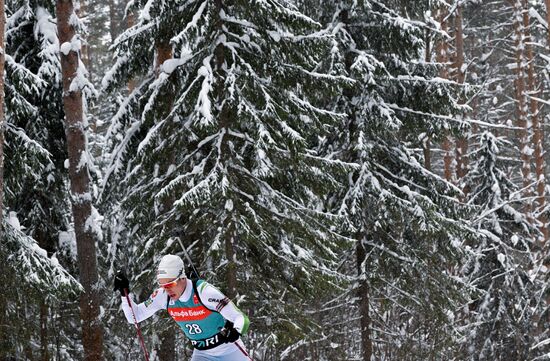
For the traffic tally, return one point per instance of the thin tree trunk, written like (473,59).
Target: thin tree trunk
(2,117)
(112,20)
(362,291)
(3,301)
(442,57)
(538,132)
(130,21)
(547,3)
(462,141)
(164,52)
(48,243)
(4,342)
(364,309)
(427,150)
(523,132)
(84,55)
(81,196)
(44,350)
(426,143)
(230,235)
(167,349)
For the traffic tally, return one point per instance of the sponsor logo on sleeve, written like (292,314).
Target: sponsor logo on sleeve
(222,303)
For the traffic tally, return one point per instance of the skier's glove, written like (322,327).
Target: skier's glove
(121,283)
(229,333)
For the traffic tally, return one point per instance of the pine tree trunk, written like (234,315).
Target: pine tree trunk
(538,132)
(2,117)
(462,141)
(44,350)
(47,242)
(81,196)
(130,21)
(426,143)
(523,132)
(364,310)
(112,20)
(84,54)
(362,290)
(167,349)
(230,234)
(164,52)
(442,57)
(230,255)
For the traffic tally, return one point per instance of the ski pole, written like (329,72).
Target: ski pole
(243,351)
(140,336)
(187,256)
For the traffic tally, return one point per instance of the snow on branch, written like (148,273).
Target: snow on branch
(27,141)
(32,263)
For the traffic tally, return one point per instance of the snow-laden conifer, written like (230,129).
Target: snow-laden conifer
(36,192)
(217,143)
(402,215)
(503,316)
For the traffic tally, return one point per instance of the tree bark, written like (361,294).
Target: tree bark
(538,132)
(164,52)
(521,112)
(426,143)
(81,196)
(224,118)
(364,310)
(442,57)
(462,141)
(44,349)
(167,349)
(2,117)
(113,23)
(130,21)
(84,54)
(362,290)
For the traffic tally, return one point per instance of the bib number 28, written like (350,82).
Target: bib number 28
(193,329)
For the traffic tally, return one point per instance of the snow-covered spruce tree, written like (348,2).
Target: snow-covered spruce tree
(502,321)
(36,179)
(510,70)
(31,275)
(36,141)
(401,214)
(217,145)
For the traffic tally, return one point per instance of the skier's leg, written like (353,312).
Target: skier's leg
(198,357)
(240,353)
(236,356)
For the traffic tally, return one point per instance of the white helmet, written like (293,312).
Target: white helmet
(171,266)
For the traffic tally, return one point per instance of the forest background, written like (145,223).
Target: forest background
(366,179)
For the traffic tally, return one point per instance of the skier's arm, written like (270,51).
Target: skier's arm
(213,299)
(157,301)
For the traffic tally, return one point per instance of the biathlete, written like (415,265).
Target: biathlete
(207,317)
